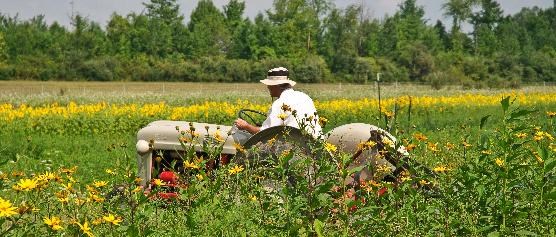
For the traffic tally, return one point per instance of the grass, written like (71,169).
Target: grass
(496,186)
(37,93)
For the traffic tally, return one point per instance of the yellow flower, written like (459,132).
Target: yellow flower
(440,169)
(330,147)
(499,162)
(199,176)
(112,219)
(100,184)
(97,221)
(449,146)
(109,171)
(433,146)
(68,170)
(388,142)
(25,185)
(54,222)
(322,121)
(47,176)
(190,165)
(217,136)
(366,145)
(136,189)
(521,135)
(63,200)
(96,198)
(551,114)
(410,147)
(486,152)
(239,147)
(85,228)
(420,136)
(158,182)
(6,208)
(424,182)
(466,145)
(253,198)
(236,169)
(138,180)
(282,116)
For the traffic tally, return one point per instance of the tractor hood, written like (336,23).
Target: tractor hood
(164,135)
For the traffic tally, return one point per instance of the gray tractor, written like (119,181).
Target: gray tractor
(160,145)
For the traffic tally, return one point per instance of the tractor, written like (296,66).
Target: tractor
(160,146)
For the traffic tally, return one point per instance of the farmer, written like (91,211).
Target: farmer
(291,108)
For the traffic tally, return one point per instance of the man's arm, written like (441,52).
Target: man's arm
(244,125)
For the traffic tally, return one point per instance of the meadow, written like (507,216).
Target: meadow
(66,144)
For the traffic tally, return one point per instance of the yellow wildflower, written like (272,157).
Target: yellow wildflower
(96,198)
(499,162)
(239,147)
(217,136)
(551,114)
(100,184)
(366,145)
(190,165)
(158,182)
(330,147)
(25,185)
(419,136)
(85,228)
(109,171)
(433,147)
(466,145)
(282,116)
(47,176)
(388,142)
(112,219)
(521,135)
(54,222)
(410,147)
(236,169)
(97,221)
(440,169)
(253,198)
(199,176)
(138,180)
(136,189)
(6,208)
(486,152)
(68,170)
(322,121)
(424,182)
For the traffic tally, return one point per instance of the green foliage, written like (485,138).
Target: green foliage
(403,46)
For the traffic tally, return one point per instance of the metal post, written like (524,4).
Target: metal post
(378,87)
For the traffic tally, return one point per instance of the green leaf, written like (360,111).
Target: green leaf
(525,232)
(505,103)
(551,195)
(521,114)
(493,234)
(318,227)
(549,164)
(483,121)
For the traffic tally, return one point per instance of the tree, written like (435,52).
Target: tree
(209,34)
(460,11)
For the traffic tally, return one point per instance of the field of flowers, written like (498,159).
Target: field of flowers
(492,158)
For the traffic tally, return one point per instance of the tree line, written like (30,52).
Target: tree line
(317,41)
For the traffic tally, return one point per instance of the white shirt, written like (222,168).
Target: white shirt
(305,112)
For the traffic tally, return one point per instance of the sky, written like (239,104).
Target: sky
(100,10)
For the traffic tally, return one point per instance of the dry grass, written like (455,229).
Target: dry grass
(39,92)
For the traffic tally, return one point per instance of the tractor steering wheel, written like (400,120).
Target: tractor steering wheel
(245,114)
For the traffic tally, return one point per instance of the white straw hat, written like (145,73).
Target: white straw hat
(277,76)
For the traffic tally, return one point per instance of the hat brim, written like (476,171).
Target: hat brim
(269,82)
